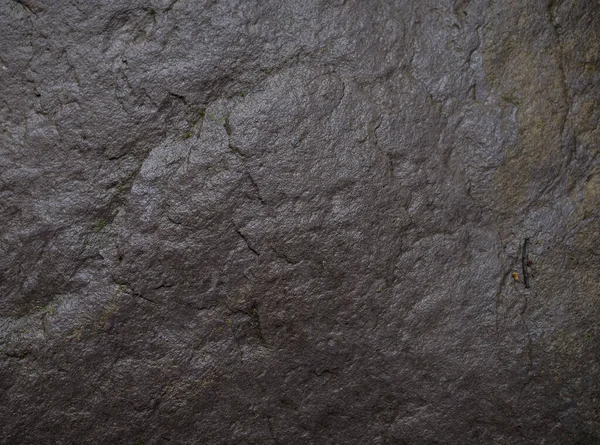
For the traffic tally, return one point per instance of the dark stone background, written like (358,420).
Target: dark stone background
(296,222)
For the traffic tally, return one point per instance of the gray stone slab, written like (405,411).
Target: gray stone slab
(284,222)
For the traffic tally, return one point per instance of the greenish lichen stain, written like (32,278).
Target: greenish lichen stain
(530,79)
(197,119)
(101,224)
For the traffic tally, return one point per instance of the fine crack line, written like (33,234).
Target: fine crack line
(199,123)
(565,87)
(529,349)
(235,150)
(178,97)
(284,257)
(138,295)
(384,153)
(168,8)
(255,318)
(256,187)
(529,346)
(525,262)
(238,231)
(25,5)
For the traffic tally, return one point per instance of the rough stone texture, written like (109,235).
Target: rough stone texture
(296,222)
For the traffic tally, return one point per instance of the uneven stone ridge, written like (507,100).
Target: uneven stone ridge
(299,222)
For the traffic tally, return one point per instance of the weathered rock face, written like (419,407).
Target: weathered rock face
(266,222)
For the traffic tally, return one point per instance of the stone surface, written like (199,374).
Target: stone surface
(285,222)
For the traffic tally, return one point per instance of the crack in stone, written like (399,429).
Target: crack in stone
(246,241)
(26,5)
(256,187)
(235,150)
(563,77)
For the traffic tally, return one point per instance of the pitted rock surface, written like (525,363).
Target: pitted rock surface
(284,222)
